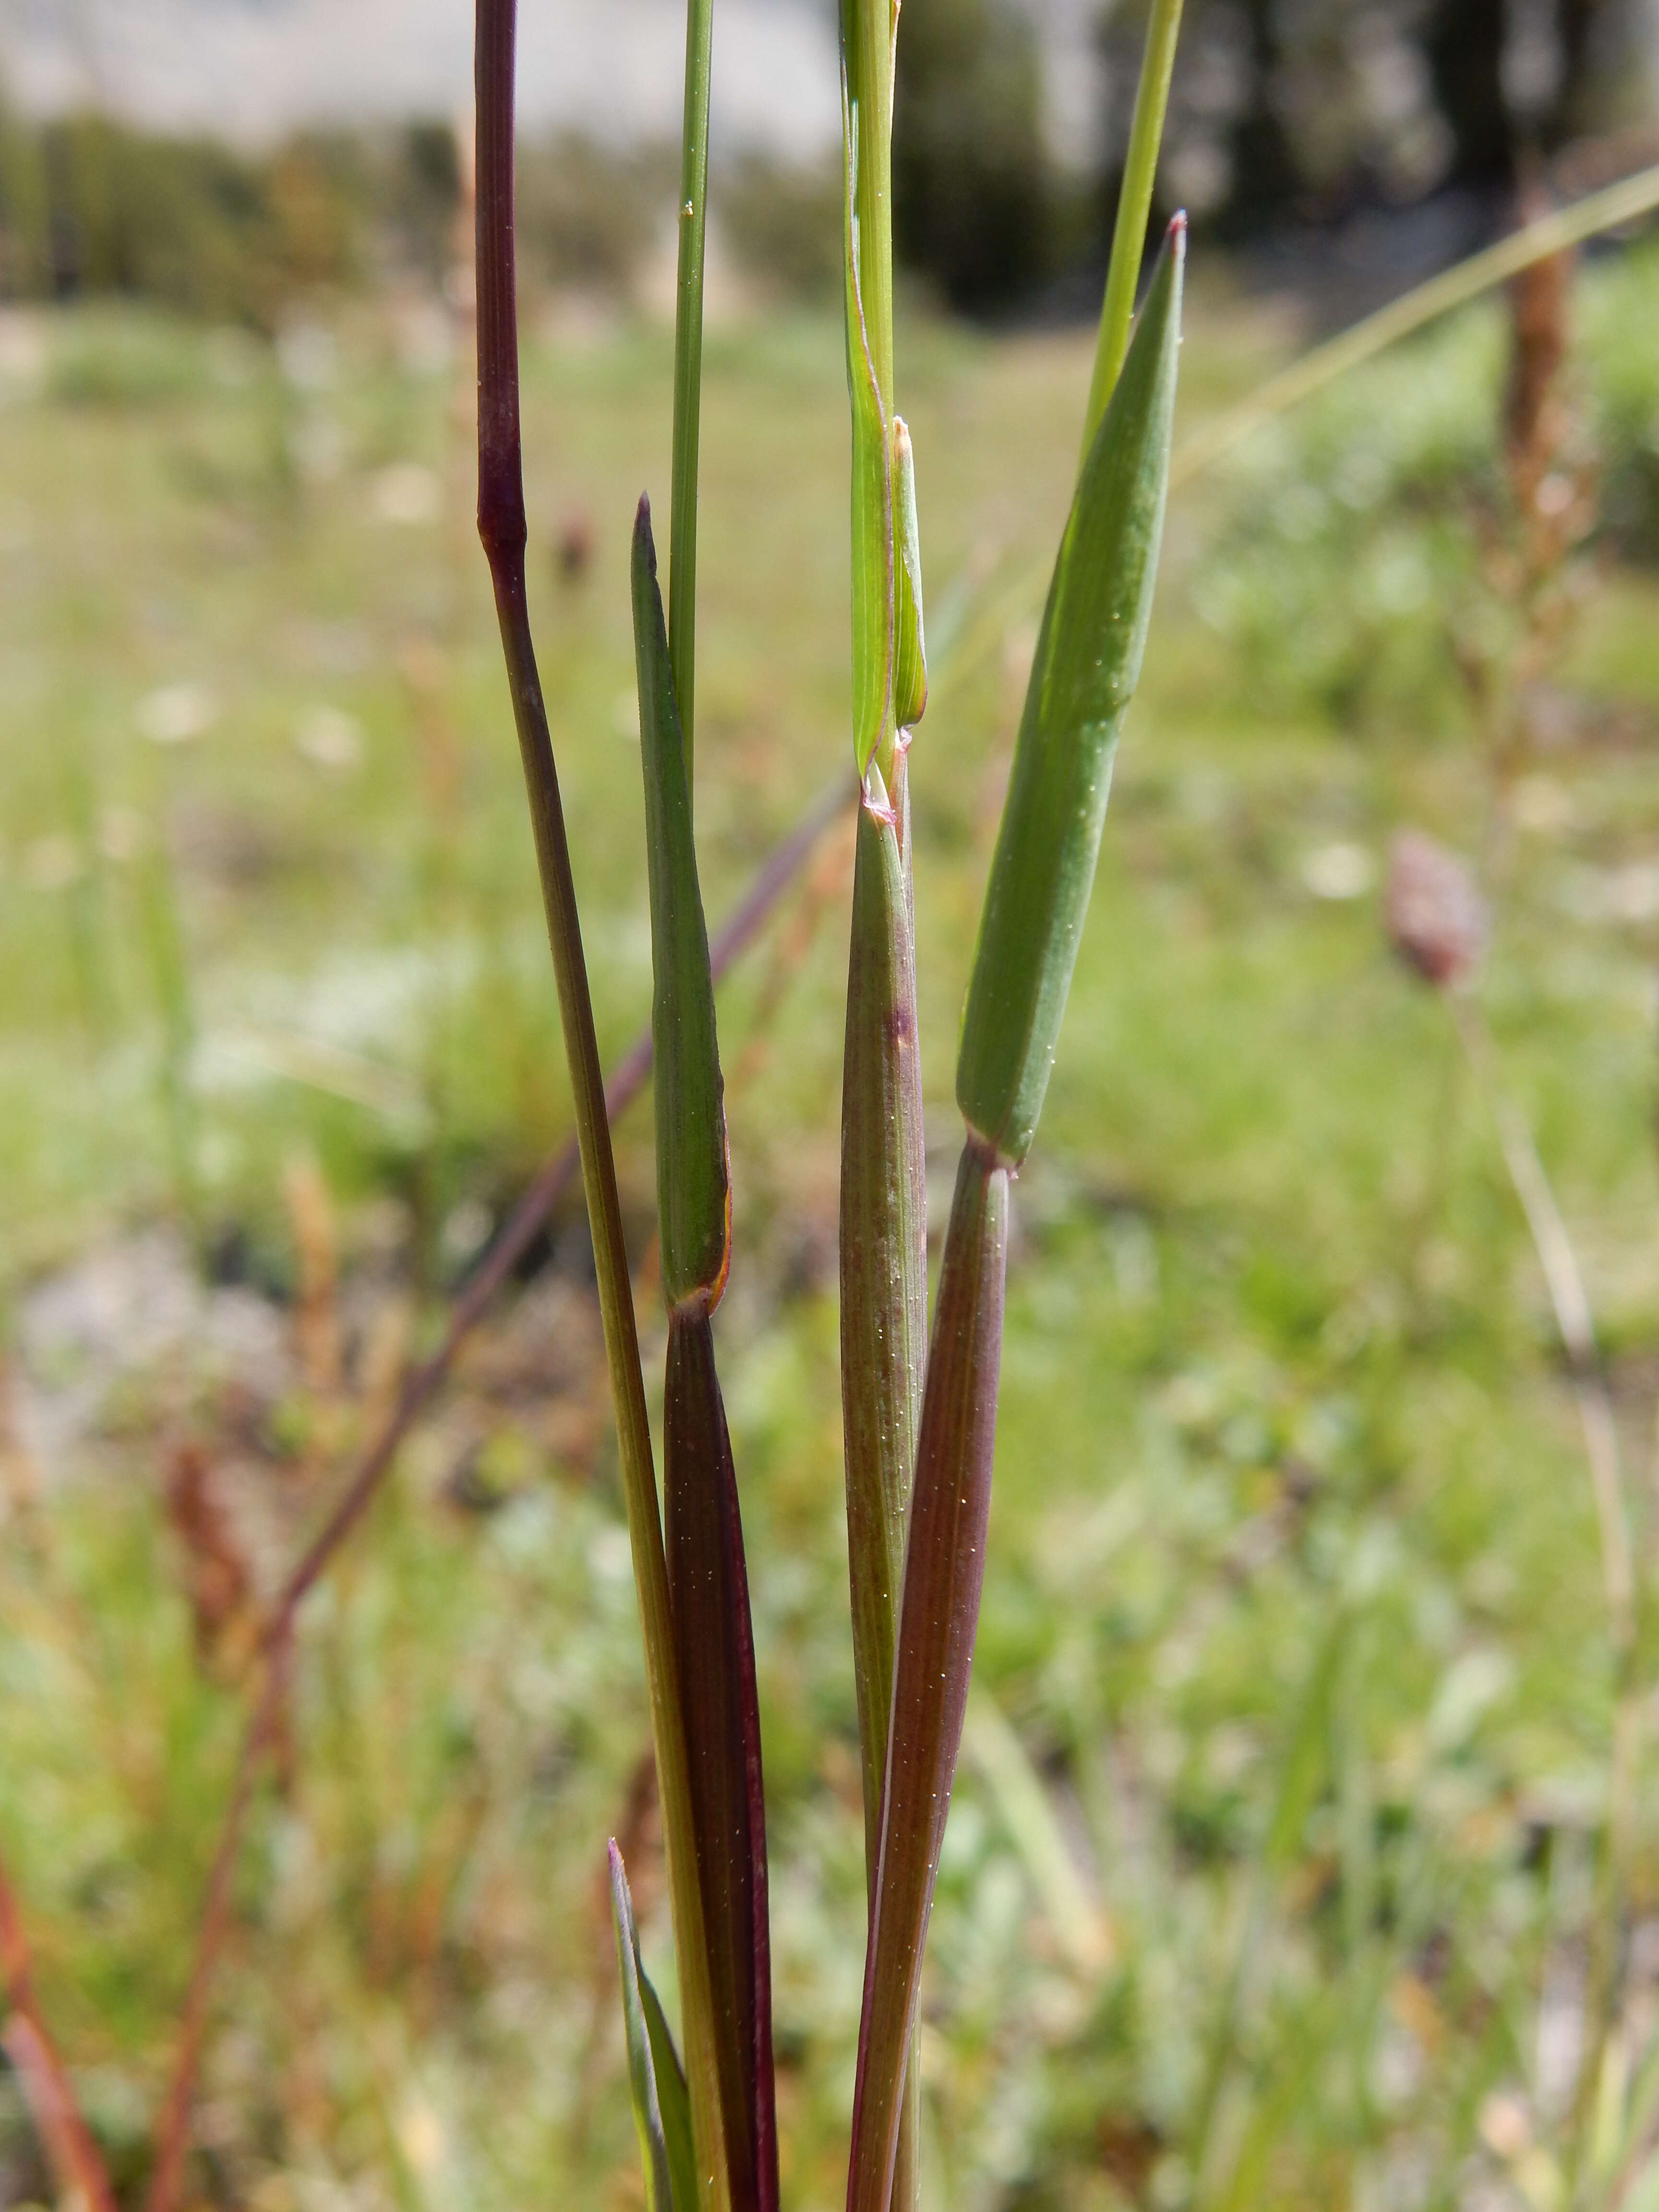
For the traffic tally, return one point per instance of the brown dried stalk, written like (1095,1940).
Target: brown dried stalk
(74,2157)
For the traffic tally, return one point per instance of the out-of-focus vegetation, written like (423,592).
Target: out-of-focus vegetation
(1282,114)
(1354,573)
(1273,1876)
(92,208)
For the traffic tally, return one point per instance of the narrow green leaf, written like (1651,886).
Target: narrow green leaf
(642,2076)
(673,2099)
(944,1574)
(910,664)
(694,1194)
(1084,675)
(714,1648)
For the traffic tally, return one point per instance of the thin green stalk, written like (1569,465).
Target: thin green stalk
(688,365)
(1135,207)
(866,51)
(502,527)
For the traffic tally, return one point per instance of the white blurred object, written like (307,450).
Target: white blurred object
(22,347)
(330,739)
(177,713)
(308,355)
(406,492)
(1339,871)
(1541,804)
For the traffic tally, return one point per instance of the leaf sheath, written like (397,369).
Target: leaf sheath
(944,1574)
(708,1589)
(883,1264)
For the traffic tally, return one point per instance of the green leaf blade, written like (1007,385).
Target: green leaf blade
(673,2100)
(1084,675)
(694,1194)
(643,2071)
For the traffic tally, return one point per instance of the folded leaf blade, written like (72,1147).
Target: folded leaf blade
(694,1194)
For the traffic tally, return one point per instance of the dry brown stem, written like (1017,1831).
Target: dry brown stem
(74,2157)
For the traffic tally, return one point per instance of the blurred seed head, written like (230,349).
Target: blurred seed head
(1437,918)
(1538,299)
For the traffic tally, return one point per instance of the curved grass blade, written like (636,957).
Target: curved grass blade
(642,2073)
(1087,663)
(708,1591)
(694,1189)
(944,1573)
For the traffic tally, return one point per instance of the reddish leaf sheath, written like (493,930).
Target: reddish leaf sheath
(714,1647)
(884,1260)
(944,1574)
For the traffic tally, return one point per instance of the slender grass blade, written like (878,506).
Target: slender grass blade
(694,1190)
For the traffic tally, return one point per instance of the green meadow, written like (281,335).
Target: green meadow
(1276,1874)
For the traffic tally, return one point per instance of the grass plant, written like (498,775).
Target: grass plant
(1291,1615)
(917,1440)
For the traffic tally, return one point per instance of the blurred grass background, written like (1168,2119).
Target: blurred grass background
(1273,1873)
